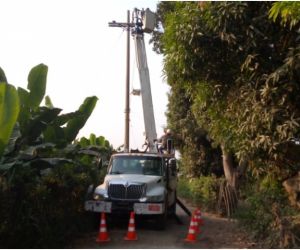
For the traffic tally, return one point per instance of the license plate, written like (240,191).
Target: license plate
(146,208)
(97,206)
(154,207)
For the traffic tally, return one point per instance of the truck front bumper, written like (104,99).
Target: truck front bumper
(112,206)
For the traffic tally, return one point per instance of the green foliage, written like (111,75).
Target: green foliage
(9,111)
(76,123)
(45,124)
(198,155)
(256,213)
(93,140)
(44,209)
(202,191)
(234,78)
(48,102)
(37,79)
(96,146)
(43,177)
(238,76)
(2,76)
(288,11)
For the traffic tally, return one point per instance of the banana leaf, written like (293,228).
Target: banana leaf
(9,111)
(37,79)
(44,163)
(39,122)
(100,141)
(2,76)
(92,139)
(15,135)
(84,142)
(64,118)
(55,134)
(75,124)
(48,102)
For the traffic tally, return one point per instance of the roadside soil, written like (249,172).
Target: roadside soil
(216,232)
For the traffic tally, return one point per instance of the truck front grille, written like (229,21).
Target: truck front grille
(130,192)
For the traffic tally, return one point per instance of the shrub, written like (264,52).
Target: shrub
(256,212)
(45,211)
(202,191)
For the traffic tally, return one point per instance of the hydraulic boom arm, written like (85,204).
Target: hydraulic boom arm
(142,65)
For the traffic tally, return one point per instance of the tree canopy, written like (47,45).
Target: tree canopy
(234,72)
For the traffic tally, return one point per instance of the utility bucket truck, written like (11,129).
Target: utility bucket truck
(143,182)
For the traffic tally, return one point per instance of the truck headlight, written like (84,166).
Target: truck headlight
(155,198)
(96,197)
(99,197)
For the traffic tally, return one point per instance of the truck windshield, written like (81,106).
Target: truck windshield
(136,165)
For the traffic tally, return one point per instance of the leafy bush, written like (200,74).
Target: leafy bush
(256,212)
(202,191)
(45,211)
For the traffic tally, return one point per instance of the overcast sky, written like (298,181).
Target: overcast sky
(85,57)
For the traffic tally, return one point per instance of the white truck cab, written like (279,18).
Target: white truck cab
(141,182)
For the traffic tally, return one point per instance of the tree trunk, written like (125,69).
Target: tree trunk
(229,170)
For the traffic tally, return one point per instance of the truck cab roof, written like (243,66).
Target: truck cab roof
(142,154)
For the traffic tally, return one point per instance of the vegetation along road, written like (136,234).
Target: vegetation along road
(233,69)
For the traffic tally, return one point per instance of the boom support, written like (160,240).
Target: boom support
(143,21)
(142,65)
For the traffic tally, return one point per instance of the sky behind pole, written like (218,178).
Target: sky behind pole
(85,57)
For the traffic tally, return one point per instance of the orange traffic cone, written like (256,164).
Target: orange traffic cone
(196,222)
(191,237)
(131,234)
(199,218)
(103,235)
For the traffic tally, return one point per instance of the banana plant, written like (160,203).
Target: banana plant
(95,146)
(9,110)
(45,124)
(36,125)
(40,165)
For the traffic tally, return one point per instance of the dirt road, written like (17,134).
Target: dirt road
(215,233)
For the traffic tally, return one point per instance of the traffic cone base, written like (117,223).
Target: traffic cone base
(130,237)
(191,237)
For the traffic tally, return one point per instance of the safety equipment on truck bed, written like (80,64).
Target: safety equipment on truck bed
(131,234)
(103,235)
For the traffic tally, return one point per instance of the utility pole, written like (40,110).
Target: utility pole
(126,26)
